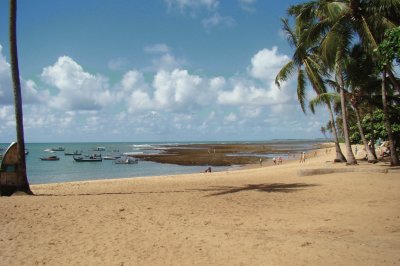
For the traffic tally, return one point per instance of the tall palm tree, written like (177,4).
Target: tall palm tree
(22,179)
(394,159)
(308,66)
(362,83)
(338,23)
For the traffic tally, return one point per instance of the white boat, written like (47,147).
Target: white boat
(127,160)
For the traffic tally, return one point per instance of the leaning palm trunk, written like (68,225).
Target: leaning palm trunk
(370,155)
(339,155)
(372,133)
(22,180)
(394,159)
(350,156)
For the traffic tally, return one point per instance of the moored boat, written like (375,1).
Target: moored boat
(58,149)
(87,159)
(112,157)
(126,160)
(72,153)
(50,158)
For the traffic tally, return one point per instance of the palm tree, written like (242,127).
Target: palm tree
(22,179)
(307,63)
(362,83)
(338,23)
(394,159)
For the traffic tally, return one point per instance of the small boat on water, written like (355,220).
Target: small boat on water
(58,149)
(87,159)
(72,153)
(127,160)
(111,157)
(50,158)
(100,149)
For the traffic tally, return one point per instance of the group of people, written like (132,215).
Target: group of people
(303,157)
(278,160)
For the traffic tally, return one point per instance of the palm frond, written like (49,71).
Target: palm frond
(301,86)
(290,35)
(284,74)
(323,99)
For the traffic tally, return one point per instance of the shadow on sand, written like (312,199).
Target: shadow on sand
(270,188)
(219,190)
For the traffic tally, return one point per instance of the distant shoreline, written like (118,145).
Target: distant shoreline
(224,154)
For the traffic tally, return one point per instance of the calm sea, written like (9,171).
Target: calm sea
(67,170)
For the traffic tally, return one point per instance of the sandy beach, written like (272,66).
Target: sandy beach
(262,215)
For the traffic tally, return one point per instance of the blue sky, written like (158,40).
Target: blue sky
(159,70)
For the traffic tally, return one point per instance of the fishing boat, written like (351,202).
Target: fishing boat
(87,159)
(58,149)
(50,158)
(72,153)
(127,160)
(112,157)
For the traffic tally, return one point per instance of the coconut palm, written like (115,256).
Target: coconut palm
(22,180)
(338,23)
(362,83)
(307,63)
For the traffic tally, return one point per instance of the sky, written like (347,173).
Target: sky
(159,70)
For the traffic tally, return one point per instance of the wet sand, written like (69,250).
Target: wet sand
(259,216)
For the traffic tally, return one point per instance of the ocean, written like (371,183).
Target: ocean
(67,170)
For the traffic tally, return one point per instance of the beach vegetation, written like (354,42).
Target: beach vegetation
(310,69)
(350,56)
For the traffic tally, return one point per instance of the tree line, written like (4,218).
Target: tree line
(346,51)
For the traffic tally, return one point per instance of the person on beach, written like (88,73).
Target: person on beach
(208,170)
(274,160)
(303,157)
(280,160)
(261,160)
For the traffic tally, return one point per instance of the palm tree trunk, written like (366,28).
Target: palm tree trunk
(339,155)
(350,156)
(22,183)
(394,159)
(372,130)
(371,158)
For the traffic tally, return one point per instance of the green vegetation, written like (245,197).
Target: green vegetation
(345,50)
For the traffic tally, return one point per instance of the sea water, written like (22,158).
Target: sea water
(67,170)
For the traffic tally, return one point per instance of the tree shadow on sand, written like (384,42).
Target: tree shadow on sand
(220,190)
(270,188)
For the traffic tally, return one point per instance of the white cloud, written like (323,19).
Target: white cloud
(117,63)
(77,89)
(247,5)
(230,118)
(266,64)
(177,89)
(157,48)
(207,10)
(192,5)
(171,103)
(167,62)
(30,92)
(245,92)
(216,20)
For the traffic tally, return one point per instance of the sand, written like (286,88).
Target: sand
(257,216)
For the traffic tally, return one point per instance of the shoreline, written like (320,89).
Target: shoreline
(232,168)
(240,217)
